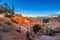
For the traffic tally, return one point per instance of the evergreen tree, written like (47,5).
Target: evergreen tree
(28,35)
(36,28)
(12,9)
(6,8)
(1,9)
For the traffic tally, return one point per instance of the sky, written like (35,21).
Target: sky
(35,7)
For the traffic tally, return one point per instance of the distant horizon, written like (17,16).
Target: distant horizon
(52,15)
(35,7)
(56,14)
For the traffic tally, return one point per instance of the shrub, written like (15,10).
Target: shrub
(36,28)
(18,31)
(28,38)
(51,33)
(46,20)
(9,16)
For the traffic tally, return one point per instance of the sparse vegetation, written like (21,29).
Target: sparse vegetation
(18,21)
(36,28)
(8,16)
(46,20)
(51,33)
(28,38)
(5,8)
(18,31)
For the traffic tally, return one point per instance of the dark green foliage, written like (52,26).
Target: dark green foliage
(28,38)
(1,9)
(36,28)
(5,8)
(51,33)
(46,20)
(9,16)
(1,12)
(12,9)
(18,31)
(27,33)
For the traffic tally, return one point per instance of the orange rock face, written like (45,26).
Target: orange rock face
(28,22)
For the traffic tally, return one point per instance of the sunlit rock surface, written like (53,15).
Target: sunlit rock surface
(23,26)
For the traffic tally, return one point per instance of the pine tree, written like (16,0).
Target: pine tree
(36,28)
(12,9)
